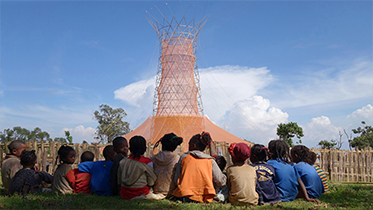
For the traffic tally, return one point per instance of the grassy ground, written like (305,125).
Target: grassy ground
(342,196)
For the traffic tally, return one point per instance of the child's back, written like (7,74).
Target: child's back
(62,179)
(83,179)
(307,173)
(265,185)
(25,179)
(12,164)
(100,171)
(121,148)
(285,174)
(311,160)
(241,177)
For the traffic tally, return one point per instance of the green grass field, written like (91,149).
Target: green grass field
(342,196)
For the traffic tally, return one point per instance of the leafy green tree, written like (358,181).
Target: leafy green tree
(39,135)
(289,130)
(6,135)
(21,133)
(84,142)
(68,137)
(325,144)
(111,123)
(365,139)
(60,139)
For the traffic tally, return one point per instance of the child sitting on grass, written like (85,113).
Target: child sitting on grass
(241,177)
(81,180)
(11,165)
(121,148)
(197,172)
(138,145)
(222,192)
(25,180)
(61,183)
(311,160)
(308,174)
(135,174)
(265,185)
(287,179)
(164,162)
(100,171)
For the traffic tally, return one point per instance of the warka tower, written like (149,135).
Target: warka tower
(177,98)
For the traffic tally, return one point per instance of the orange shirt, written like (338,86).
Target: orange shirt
(195,180)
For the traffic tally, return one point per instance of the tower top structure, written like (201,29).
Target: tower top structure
(177,85)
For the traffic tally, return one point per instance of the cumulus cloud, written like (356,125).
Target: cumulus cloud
(363,114)
(254,119)
(80,133)
(320,128)
(221,86)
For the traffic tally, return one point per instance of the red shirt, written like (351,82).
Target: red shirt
(79,181)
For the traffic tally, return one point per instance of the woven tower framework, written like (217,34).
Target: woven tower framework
(177,97)
(177,89)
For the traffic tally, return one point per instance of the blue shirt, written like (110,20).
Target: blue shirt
(286,176)
(310,178)
(100,171)
(265,184)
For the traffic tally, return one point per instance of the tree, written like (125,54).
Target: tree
(60,139)
(365,139)
(325,144)
(111,123)
(289,130)
(68,137)
(6,135)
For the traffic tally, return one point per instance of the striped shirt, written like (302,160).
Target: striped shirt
(323,178)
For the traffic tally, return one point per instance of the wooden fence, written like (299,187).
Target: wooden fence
(345,165)
(339,165)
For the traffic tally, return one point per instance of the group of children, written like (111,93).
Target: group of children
(275,174)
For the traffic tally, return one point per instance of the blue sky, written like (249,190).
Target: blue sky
(261,64)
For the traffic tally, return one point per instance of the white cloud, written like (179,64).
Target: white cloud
(363,114)
(328,85)
(79,133)
(320,128)
(221,86)
(254,119)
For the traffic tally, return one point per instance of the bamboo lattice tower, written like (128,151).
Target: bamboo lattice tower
(177,98)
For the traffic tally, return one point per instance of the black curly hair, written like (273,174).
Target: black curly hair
(63,152)
(279,149)
(107,151)
(169,142)
(220,160)
(301,151)
(201,140)
(260,151)
(28,158)
(137,146)
(87,156)
(311,158)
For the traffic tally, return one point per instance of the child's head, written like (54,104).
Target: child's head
(259,153)
(120,145)
(109,153)
(220,160)
(299,153)
(169,142)
(137,146)
(87,156)
(311,158)
(16,147)
(28,159)
(239,152)
(199,141)
(279,149)
(66,154)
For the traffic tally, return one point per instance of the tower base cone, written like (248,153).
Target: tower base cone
(184,126)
